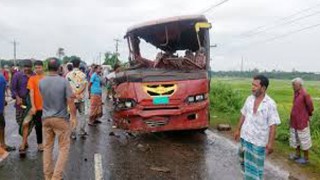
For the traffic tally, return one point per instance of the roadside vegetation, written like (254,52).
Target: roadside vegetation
(228,95)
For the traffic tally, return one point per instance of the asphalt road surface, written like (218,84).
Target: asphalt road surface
(120,155)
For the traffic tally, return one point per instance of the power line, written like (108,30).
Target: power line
(284,23)
(280,20)
(214,6)
(283,35)
(292,32)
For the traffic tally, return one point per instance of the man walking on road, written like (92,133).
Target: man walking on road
(57,97)
(36,101)
(78,83)
(256,129)
(302,109)
(20,93)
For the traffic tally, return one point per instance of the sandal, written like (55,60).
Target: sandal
(91,124)
(73,136)
(83,134)
(97,122)
(302,161)
(9,148)
(40,148)
(293,156)
(22,152)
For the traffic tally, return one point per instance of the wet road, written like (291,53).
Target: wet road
(149,156)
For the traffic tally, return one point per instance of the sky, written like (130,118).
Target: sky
(264,34)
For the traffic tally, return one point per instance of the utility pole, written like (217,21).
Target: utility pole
(14,52)
(117,45)
(242,64)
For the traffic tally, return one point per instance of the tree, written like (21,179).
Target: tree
(111,59)
(67,59)
(255,71)
(6,62)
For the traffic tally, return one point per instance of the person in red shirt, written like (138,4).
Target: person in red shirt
(302,110)
(5,74)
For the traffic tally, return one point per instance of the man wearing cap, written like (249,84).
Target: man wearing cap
(19,91)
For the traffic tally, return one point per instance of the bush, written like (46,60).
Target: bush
(224,98)
(315,132)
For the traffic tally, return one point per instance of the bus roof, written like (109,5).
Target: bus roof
(170,34)
(195,18)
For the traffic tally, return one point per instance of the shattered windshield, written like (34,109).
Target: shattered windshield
(176,45)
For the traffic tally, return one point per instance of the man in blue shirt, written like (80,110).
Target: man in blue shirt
(3,86)
(95,93)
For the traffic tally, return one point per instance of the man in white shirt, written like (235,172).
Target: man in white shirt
(256,129)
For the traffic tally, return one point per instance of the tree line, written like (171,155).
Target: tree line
(271,74)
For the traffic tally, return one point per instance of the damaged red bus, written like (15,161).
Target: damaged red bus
(171,91)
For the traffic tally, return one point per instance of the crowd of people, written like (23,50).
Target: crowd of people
(49,102)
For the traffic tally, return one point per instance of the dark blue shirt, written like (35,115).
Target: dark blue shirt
(3,85)
(19,84)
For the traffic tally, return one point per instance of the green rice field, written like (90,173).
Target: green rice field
(228,95)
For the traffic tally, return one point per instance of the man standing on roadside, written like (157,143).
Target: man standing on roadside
(302,110)
(256,129)
(57,97)
(95,96)
(78,83)
(20,93)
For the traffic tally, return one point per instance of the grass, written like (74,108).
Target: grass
(228,95)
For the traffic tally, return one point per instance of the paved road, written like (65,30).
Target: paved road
(149,156)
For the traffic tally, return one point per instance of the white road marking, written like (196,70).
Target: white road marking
(98,167)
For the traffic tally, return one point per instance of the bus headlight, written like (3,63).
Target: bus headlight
(196,98)
(128,104)
(124,104)
(199,97)
(190,99)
